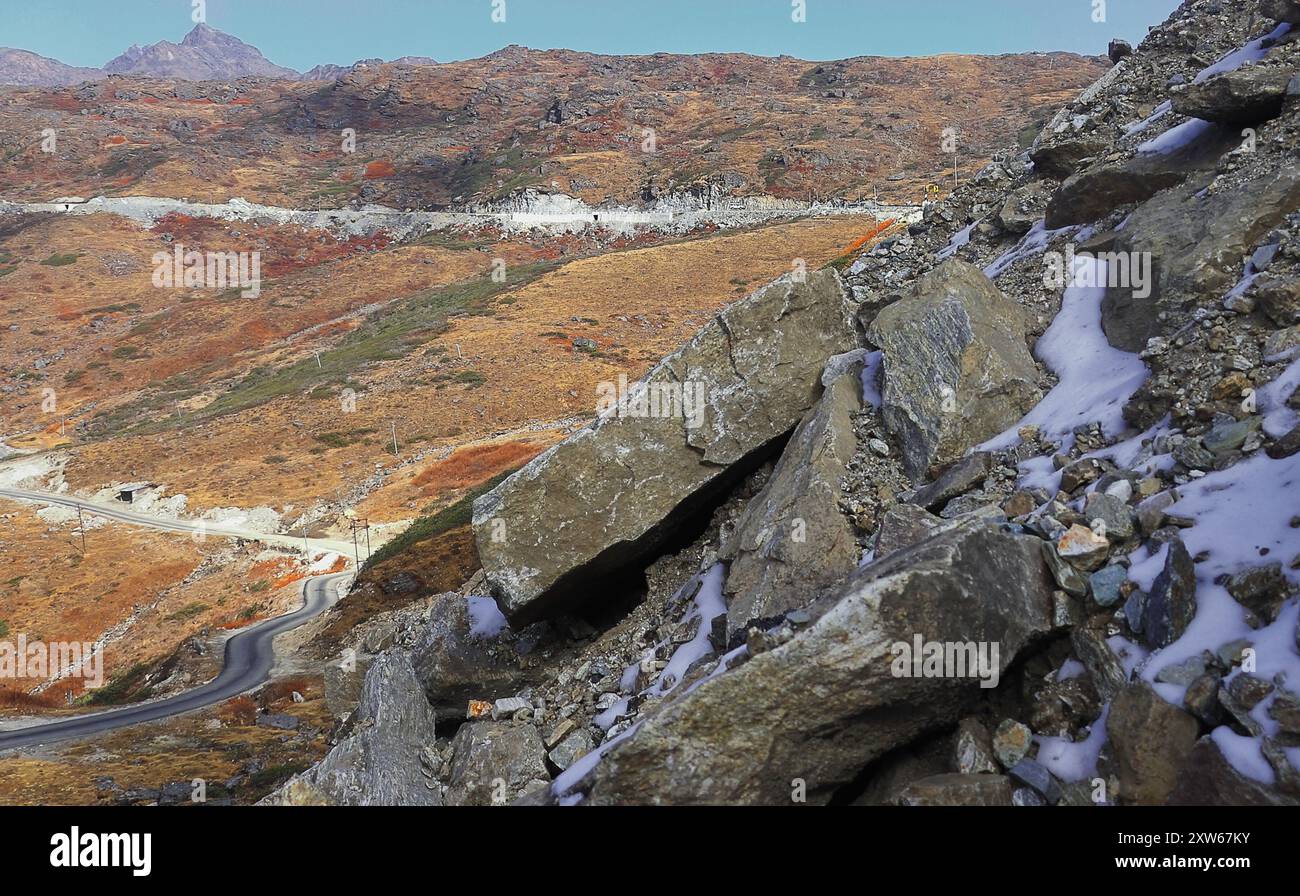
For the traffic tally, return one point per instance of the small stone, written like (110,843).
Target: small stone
(1066,576)
(1121,489)
(1105,585)
(974,748)
(562,729)
(1231,654)
(478,709)
(506,707)
(1021,503)
(1285,710)
(1011,742)
(1135,609)
(1248,690)
(1201,699)
(1083,548)
(571,749)
(1262,591)
(1109,517)
(1189,670)
(1171,605)
(1035,775)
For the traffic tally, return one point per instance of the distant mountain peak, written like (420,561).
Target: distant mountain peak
(205,54)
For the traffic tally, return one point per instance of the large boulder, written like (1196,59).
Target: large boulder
(1249,95)
(1062,156)
(792,539)
(383,761)
(1149,741)
(1281,10)
(956,367)
(493,763)
(841,693)
(1095,192)
(549,532)
(1196,240)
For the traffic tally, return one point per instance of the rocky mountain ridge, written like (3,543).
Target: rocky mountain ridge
(1032,538)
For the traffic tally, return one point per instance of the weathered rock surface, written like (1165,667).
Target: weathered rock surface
(1281,10)
(793,539)
(494,762)
(958,479)
(382,761)
(565,519)
(1064,156)
(1171,606)
(458,662)
(1197,243)
(1208,779)
(1149,742)
(1249,95)
(956,368)
(825,704)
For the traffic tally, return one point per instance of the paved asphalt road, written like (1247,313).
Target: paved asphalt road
(249,658)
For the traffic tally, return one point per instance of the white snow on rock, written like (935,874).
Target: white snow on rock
(1070,760)
(959,239)
(1176,138)
(1252,52)
(486,620)
(871,379)
(1033,243)
(708,605)
(1095,380)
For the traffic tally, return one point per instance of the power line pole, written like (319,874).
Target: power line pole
(395,454)
(81,519)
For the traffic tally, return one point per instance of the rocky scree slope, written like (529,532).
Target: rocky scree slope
(1097,473)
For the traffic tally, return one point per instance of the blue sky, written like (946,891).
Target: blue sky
(302,33)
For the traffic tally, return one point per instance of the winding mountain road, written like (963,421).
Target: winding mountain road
(249,654)
(249,658)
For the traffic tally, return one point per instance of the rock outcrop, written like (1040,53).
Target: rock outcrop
(957,370)
(383,761)
(824,705)
(564,520)
(794,539)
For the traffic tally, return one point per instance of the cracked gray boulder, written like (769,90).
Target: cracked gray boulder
(383,760)
(822,706)
(956,368)
(792,539)
(1095,192)
(615,492)
(1249,95)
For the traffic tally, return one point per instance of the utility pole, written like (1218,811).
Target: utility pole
(81,519)
(394,422)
